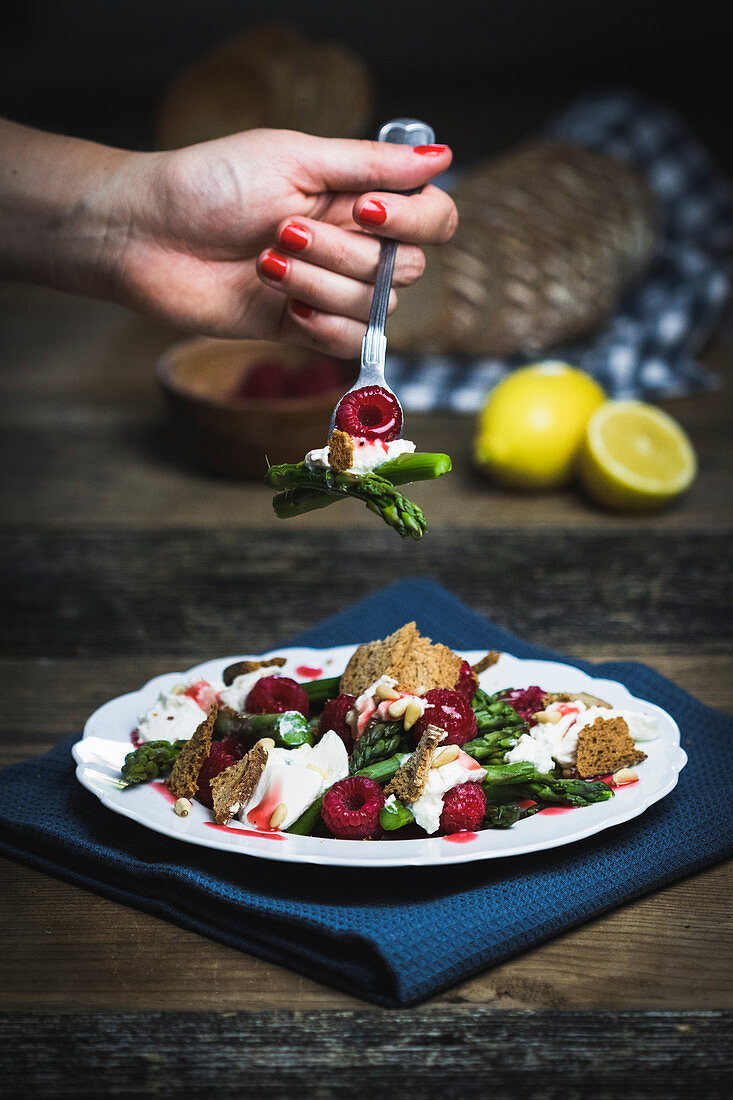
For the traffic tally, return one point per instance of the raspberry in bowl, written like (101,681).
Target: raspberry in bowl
(234,401)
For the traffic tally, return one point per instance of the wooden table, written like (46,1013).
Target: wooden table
(122,561)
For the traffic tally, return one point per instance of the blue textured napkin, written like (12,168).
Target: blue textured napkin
(648,348)
(391,936)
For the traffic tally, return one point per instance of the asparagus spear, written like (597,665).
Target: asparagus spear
(495,714)
(305,824)
(384,770)
(503,817)
(303,490)
(395,815)
(152,760)
(288,730)
(319,691)
(379,741)
(570,792)
(378,494)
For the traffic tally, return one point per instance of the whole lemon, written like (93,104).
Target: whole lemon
(532,424)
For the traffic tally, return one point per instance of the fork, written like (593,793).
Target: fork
(400,131)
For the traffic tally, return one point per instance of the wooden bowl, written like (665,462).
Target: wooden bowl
(236,436)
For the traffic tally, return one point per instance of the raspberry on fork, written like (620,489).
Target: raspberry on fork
(371,413)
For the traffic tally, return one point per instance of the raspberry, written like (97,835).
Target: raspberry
(466,684)
(232,745)
(351,808)
(317,375)
(525,701)
(276,694)
(450,712)
(463,810)
(269,380)
(371,412)
(222,755)
(334,718)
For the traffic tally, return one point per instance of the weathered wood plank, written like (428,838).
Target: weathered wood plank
(447,1053)
(218,592)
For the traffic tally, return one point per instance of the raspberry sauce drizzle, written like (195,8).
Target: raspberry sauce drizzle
(202,693)
(526,803)
(260,815)
(460,838)
(269,834)
(308,673)
(161,788)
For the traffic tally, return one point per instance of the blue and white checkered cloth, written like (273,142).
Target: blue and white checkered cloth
(648,348)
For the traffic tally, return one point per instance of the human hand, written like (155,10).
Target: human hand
(272,234)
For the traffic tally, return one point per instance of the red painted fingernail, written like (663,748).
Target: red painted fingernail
(430,150)
(274,265)
(301,309)
(373,212)
(294,237)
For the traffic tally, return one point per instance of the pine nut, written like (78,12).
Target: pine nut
(412,712)
(178,689)
(384,691)
(626,775)
(279,815)
(266,743)
(398,708)
(182,807)
(547,716)
(446,756)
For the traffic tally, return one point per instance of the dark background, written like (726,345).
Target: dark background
(485,74)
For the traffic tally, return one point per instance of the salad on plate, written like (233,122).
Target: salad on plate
(402,744)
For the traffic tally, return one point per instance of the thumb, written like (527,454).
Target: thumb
(336,164)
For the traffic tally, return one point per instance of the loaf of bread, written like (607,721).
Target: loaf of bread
(549,238)
(269,75)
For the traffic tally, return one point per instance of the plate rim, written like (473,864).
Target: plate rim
(319,851)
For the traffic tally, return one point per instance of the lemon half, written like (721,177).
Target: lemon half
(532,424)
(634,457)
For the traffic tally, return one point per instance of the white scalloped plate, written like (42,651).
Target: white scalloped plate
(106,741)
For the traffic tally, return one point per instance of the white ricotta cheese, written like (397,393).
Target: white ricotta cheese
(295,778)
(368,453)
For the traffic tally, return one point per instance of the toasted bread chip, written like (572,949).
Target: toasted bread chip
(232,788)
(184,778)
(486,662)
(412,660)
(409,781)
(605,747)
(340,451)
(573,697)
(241,668)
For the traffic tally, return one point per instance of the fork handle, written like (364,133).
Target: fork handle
(400,131)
